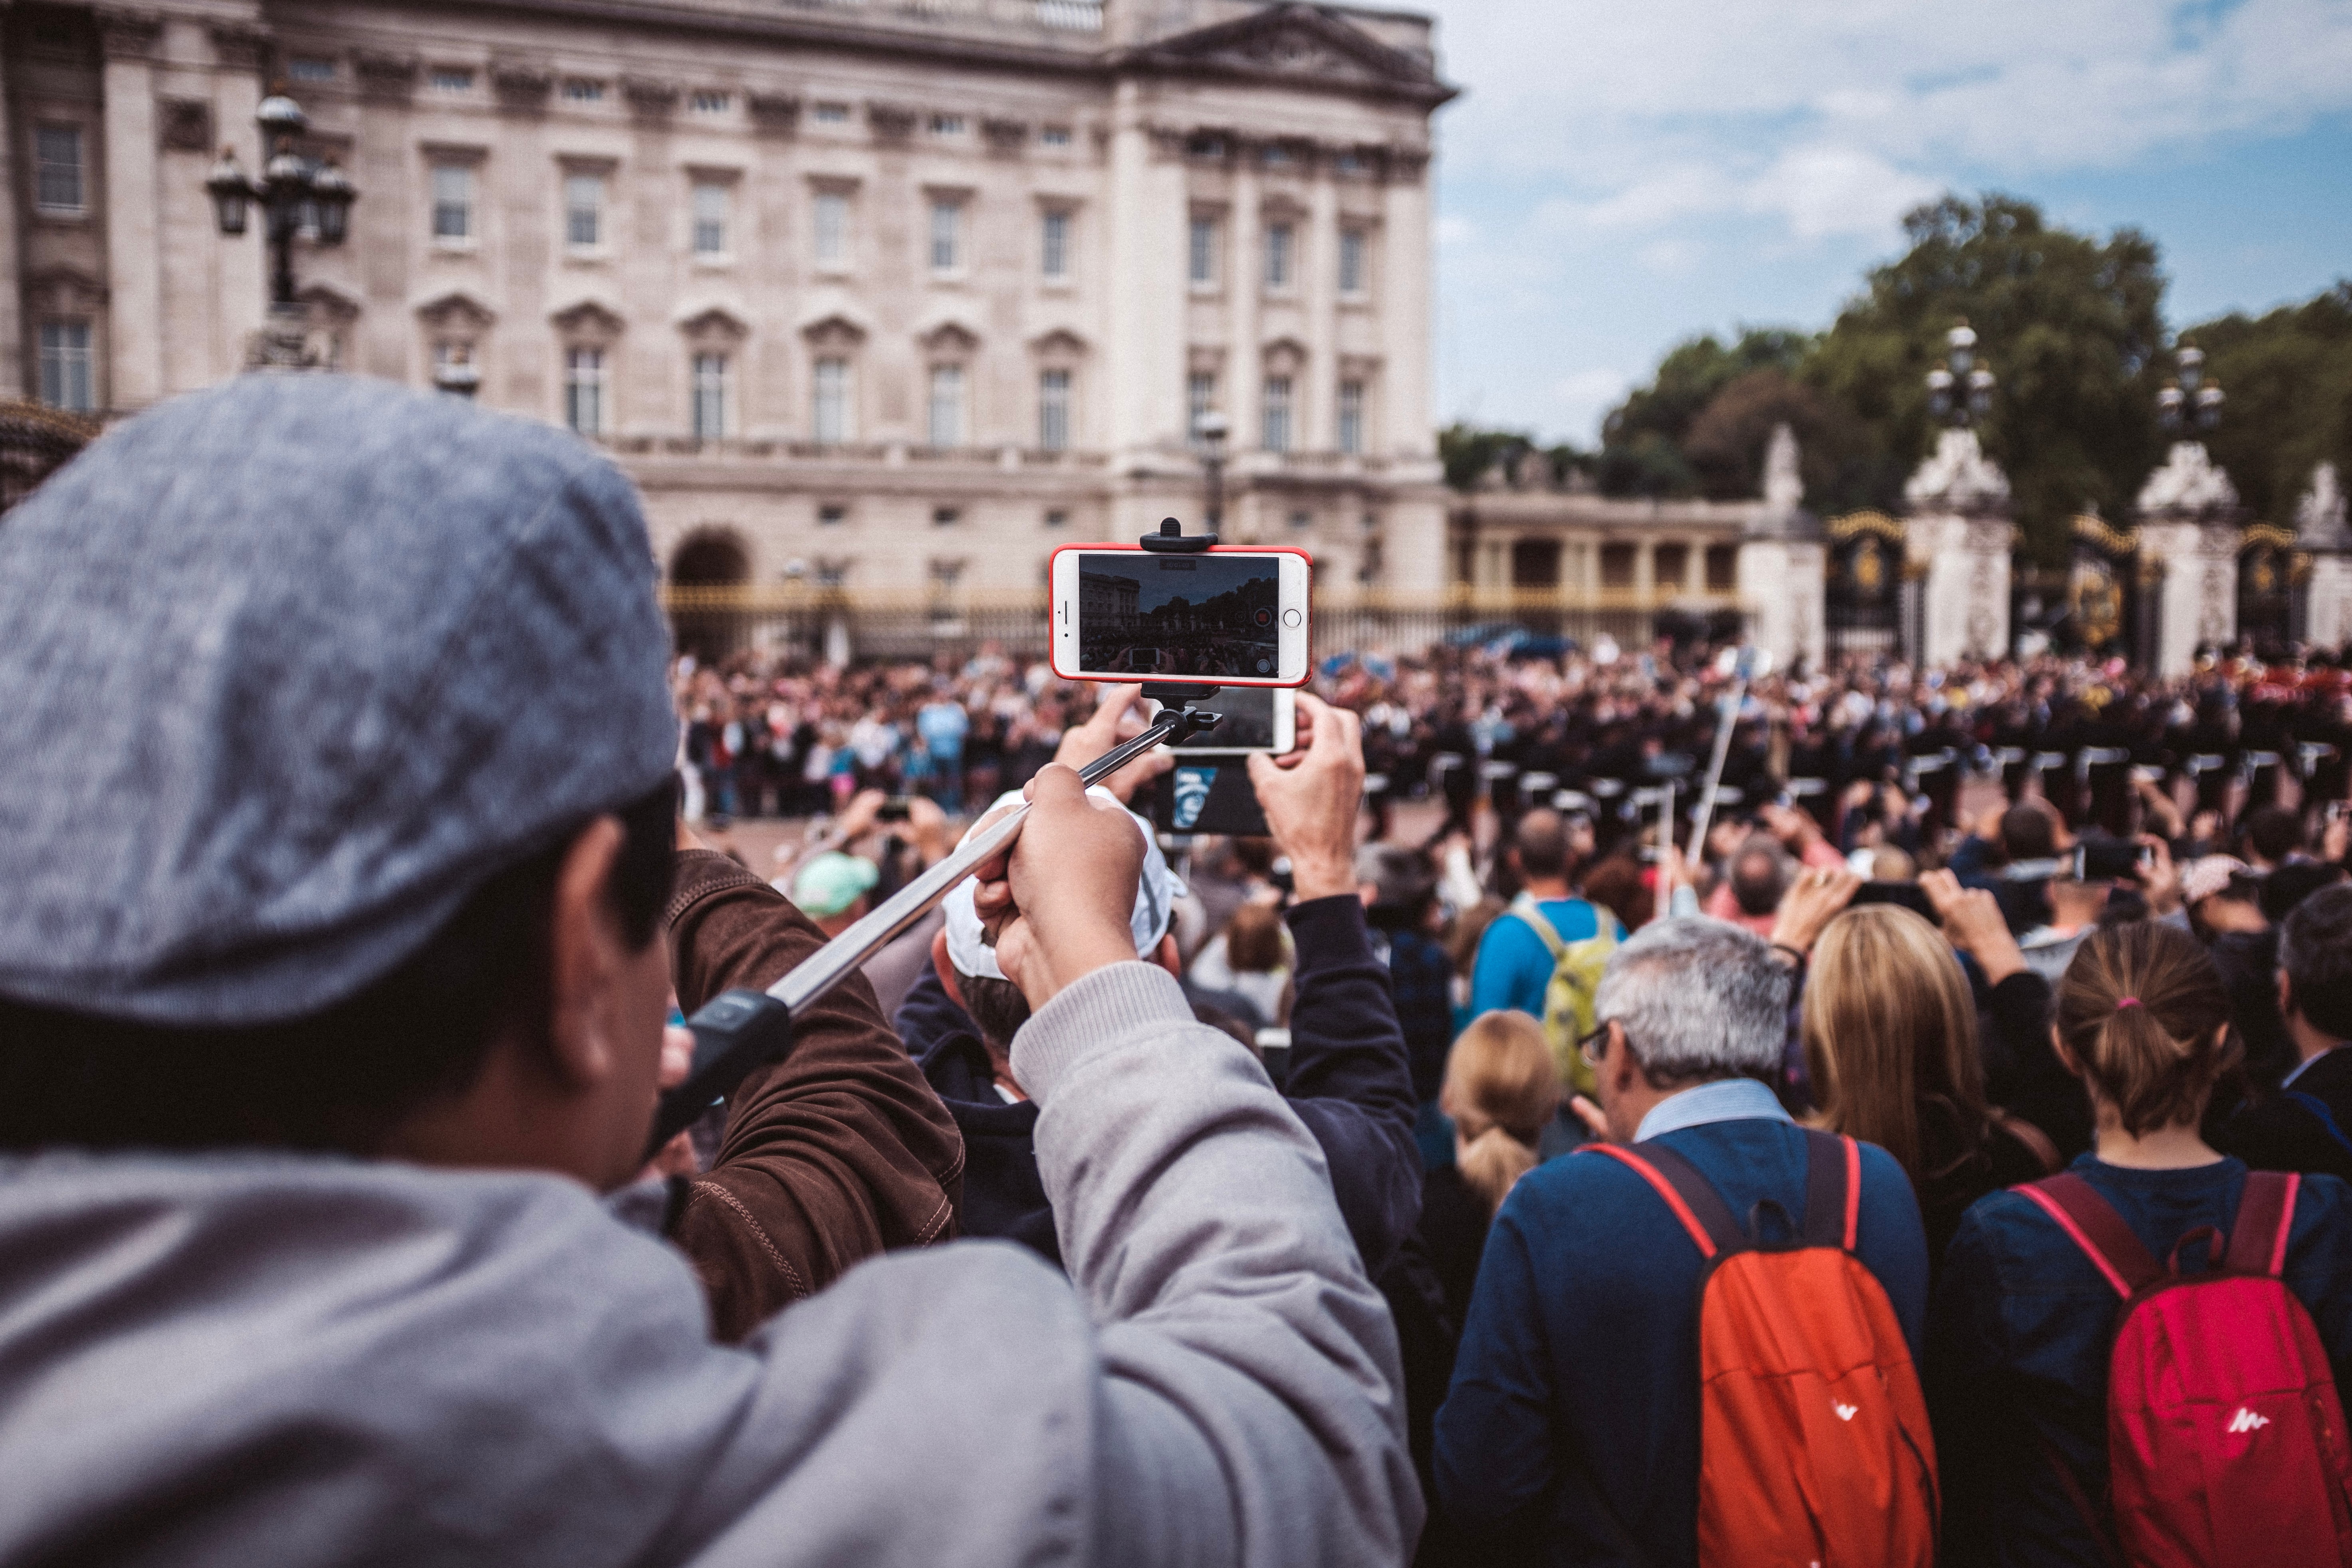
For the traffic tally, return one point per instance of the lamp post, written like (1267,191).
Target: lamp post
(2189,406)
(1959,390)
(294,193)
(1209,430)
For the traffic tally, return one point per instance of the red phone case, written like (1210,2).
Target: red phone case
(1213,550)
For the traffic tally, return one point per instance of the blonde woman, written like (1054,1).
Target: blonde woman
(1890,1035)
(1501,1091)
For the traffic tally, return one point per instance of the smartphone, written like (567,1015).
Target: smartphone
(2109,859)
(1902,895)
(1230,615)
(1208,794)
(1249,719)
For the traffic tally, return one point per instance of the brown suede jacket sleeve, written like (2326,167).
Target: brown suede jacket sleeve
(839,1151)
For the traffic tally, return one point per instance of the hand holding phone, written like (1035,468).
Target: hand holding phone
(1310,799)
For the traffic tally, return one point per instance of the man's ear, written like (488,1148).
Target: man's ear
(1165,955)
(585,951)
(945,968)
(2286,995)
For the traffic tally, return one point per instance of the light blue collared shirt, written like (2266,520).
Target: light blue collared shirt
(1725,1099)
(2288,1081)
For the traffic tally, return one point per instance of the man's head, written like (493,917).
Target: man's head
(363,833)
(2030,831)
(1684,1002)
(964,954)
(1760,875)
(1540,846)
(831,889)
(2315,965)
(2273,833)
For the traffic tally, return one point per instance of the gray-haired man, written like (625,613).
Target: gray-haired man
(1573,1415)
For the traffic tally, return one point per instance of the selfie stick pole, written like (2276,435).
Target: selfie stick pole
(1731,701)
(737,1032)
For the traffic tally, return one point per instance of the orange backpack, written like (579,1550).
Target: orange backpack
(1814,1450)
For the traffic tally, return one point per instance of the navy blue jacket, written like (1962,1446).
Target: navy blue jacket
(2020,1334)
(1350,1083)
(1579,1366)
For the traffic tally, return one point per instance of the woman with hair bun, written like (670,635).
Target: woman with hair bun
(2020,1331)
(1501,1091)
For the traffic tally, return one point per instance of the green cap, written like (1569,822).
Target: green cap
(833,882)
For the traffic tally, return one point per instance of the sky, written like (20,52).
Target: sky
(1619,176)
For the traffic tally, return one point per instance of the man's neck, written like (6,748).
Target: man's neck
(2309,1043)
(1544,889)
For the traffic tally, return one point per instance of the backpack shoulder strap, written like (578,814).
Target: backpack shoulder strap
(1526,910)
(1691,1196)
(2095,1227)
(1832,1190)
(2265,1214)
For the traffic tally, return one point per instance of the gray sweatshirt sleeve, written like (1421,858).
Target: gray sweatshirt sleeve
(1249,1409)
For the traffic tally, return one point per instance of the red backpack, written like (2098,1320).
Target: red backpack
(2225,1439)
(1814,1447)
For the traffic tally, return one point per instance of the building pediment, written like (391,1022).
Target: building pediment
(454,308)
(328,301)
(587,318)
(1296,46)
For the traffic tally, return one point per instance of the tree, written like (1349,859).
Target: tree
(2071,325)
(1727,442)
(1642,450)
(2288,376)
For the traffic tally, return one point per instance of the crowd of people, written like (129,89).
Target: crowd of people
(1518,1153)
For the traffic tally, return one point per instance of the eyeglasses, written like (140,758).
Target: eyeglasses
(1599,1037)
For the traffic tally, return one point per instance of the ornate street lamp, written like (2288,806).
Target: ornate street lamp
(2190,405)
(1209,430)
(294,193)
(1959,390)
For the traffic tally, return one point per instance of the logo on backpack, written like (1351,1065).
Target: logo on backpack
(2246,1420)
(1845,1412)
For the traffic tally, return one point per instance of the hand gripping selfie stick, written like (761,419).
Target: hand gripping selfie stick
(738,1032)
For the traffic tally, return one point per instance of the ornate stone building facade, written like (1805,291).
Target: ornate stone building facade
(893,297)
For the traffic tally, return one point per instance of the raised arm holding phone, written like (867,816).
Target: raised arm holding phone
(308,1102)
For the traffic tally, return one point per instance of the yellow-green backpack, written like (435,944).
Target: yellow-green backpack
(1575,981)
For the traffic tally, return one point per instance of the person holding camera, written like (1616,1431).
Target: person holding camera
(331,998)
(1349,1081)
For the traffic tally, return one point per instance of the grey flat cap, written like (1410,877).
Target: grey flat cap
(291,667)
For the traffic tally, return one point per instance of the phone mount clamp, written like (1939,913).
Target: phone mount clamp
(738,1032)
(1172,696)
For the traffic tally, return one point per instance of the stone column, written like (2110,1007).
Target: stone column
(1783,566)
(1406,249)
(1959,532)
(1315,400)
(2320,529)
(2187,516)
(1244,281)
(134,249)
(1146,229)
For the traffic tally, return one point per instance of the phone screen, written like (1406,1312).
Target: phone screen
(1179,615)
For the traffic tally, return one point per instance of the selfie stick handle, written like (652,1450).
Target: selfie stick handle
(740,1031)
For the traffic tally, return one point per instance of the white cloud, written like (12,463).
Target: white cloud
(1833,115)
